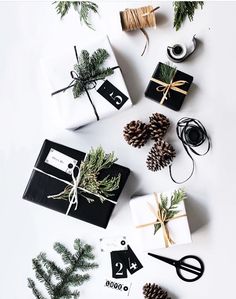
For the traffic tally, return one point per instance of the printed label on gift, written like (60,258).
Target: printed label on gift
(60,161)
(112,94)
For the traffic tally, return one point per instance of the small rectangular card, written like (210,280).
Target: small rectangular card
(112,94)
(60,161)
(119,287)
(133,262)
(113,243)
(119,264)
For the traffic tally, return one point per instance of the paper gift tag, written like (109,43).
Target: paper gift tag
(113,243)
(118,287)
(123,260)
(133,263)
(112,94)
(119,264)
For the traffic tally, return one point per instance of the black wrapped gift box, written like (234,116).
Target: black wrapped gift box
(175,99)
(41,185)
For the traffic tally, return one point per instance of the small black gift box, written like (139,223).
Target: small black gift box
(168,86)
(54,171)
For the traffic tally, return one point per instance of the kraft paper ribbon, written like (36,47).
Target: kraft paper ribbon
(166,87)
(162,219)
(73,195)
(139,19)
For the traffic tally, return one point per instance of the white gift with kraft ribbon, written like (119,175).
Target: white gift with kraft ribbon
(76,112)
(144,210)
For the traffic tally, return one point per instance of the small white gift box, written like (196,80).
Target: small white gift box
(160,219)
(102,98)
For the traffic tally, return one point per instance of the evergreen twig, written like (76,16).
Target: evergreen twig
(90,181)
(84,8)
(59,282)
(170,207)
(89,70)
(183,9)
(167,72)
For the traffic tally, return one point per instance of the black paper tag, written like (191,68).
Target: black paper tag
(119,264)
(133,263)
(112,94)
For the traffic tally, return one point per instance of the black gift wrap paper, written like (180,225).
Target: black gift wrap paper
(41,185)
(175,99)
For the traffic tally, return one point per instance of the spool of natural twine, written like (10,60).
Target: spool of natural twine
(139,18)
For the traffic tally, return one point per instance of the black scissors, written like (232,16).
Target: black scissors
(181,266)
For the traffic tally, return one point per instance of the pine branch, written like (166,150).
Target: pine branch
(58,281)
(35,291)
(90,182)
(170,207)
(89,70)
(84,9)
(62,7)
(183,9)
(167,72)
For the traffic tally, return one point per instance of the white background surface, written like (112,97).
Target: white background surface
(27,29)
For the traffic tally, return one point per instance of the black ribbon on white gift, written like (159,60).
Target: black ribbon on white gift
(87,84)
(192,134)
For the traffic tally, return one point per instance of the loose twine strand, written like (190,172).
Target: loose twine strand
(139,18)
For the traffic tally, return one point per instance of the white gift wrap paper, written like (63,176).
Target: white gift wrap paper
(141,214)
(76,112)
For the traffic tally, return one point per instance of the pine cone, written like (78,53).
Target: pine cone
(160,155)
(136,133)
(153,291)
(158,126)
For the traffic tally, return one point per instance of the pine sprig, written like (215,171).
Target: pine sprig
(183,9)
(89,70)
(170,207)
(167,72)
(90,182)
(84,9)
(59,281)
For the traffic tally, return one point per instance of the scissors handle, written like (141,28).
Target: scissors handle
(182,265)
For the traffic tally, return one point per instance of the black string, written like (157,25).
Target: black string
(192,134)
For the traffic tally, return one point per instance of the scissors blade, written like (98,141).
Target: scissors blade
(164,259)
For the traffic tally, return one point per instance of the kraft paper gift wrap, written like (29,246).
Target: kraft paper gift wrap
(142,210)
(109,96)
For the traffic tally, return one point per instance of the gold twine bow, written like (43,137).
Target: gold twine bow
(165,87)
(162,219)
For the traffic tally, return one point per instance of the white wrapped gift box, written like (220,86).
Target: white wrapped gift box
(144,214)
(76,112)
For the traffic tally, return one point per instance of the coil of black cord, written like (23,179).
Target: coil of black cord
(192,134)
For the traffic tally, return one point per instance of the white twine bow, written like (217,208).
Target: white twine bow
(73,194)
